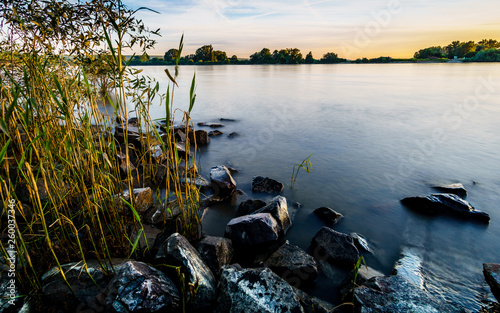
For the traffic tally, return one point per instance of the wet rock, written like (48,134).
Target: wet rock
(198,181)
(445,203)
(148,231)
(361,243)
(233,135)
(249,206)
(222,119)
(255,291)
(279,210)
(157,154)
(201,136)
(216,252)
(181,149)
(347,286)
(222,181)
(267,185)
(158,214)
(491,273)
(214,133)
(143,198)
(133,121)
(179,252)
(409,266)
(337,248)
(212,125)
(252,229)
(388,294)
(138,287)
(312,304)
(328,215)
(457,189)
(293,264)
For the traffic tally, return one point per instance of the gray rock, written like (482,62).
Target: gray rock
(255,291)
(143,198)
(457,189)
(312,304)
(159,213)
(279,210)
(213,125)
(252,229)
(445,203)
(409,266)
(214,133)
(233,135)
(266,185)
(360,242)
(348,285)
(293,265)
(179,252)
(249,206)
(148,231)
(491,273)
(222,181)
(328,215)
(216,252)
(198,181)
(201,137)
(138,287)
(337,248)
(157,153)
(389,294)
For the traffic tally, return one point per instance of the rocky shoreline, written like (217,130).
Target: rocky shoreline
(253,268)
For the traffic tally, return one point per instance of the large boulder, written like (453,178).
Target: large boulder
(255,291)
(389,294)
(201,137)
(348,285)
(249,206)
(312,304)
(279,210)
(328,215)
(216,252)
(337,248)
(266,185)
(293,265)
(179,252)
(491,273)
(457,189)
(445,203)
(255,229)
(138,287)
(222,181)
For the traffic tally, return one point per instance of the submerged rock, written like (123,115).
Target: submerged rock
(267,185)
(255,291)
(201,137)
(213,125)
(253,229)
(179,252)
(360,242)
(328,215)
(216,252)
(337,248)
(445,203)
(138,287)
(214,133)
(389,294)
(293,265)
(279,210)
(409,266)
(348,285)
(233,135)
(222,181)
(457,189)
(491,273)
(249,206)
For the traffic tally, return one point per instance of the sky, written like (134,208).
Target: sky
(352,29)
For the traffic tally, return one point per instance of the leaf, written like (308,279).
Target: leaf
(170,76)
(4,150)
(192,95)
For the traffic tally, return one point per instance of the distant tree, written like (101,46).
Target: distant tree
(171,55)
(287,56)
(486,44)
(460,49)
(234,59)
(204,54)
(431,52)
(309,58)
(330,57)
(219,56)
(489,55)
(262,57)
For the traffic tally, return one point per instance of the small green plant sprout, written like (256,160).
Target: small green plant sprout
(305,164)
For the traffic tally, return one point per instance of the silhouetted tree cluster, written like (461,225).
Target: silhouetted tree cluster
(468,49)
(291,56)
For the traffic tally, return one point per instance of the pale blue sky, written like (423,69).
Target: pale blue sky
(352,29)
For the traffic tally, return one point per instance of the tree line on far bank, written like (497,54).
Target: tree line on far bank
(486,50)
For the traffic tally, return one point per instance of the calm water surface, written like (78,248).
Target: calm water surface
(377,133)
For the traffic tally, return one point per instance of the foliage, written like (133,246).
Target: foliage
(305,164)
(309,58)
(431,52)
(489,55)
(330,58)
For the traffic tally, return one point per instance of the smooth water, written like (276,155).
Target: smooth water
(378,133)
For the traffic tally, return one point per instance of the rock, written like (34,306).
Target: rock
(216,252)
(337,248)
(388,294)
(267,185)
(214,133)
(181,149)
(445,203)
(157,154)
(457,189)
(133,121)
(149,231)
(143,198)
(347,286)
(201,137)
(312,304)
(360,242)
(222,119)
(222,181)
(293,264)
(252,229)
(255,291)
(409,266)
(198,181)
(233,135)
(212,125)
(179,252)
(249,206)
(158,214)
(279,210)
(138,287)
(491,273)
(328,215)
